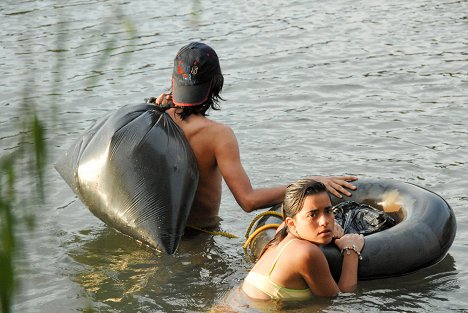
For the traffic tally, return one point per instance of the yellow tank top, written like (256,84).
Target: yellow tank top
(272,289)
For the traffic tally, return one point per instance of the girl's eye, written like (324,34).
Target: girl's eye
(313,214)
(329,211)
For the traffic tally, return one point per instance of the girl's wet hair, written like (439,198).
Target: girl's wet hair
(296,193)
(292,204)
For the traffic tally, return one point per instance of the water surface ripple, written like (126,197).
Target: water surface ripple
(370,88)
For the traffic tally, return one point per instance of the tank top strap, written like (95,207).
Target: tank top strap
(278,256)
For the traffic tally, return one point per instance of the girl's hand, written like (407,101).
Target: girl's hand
(338,231)
(350,240)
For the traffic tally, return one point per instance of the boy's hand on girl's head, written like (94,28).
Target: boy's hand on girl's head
(336,184)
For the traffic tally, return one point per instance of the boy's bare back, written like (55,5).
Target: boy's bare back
(204,136)
(196,83)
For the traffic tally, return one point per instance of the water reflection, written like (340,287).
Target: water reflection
(119,273)
(416,292)
(237,301)
(376,89)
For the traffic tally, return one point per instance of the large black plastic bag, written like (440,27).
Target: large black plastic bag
(135,170)
(359,218)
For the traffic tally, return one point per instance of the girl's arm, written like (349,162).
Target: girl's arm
(316,272)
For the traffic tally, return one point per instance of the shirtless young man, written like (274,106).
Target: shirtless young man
(196,83)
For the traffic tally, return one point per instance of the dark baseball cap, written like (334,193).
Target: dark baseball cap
(194,68)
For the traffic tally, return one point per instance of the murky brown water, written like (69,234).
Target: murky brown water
(374,89)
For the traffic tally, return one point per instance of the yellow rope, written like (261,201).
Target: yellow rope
(256,218)
(258,231)
(213,232)
(251,237)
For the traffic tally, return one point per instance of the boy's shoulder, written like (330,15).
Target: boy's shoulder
(212,125)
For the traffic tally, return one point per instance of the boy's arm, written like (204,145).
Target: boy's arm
(229,163)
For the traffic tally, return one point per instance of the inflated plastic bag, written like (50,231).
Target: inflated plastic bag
(135,170)
(358,218)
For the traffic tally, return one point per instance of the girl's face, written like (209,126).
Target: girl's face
(315,222)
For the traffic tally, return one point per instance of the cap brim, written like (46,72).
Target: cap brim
(190,95)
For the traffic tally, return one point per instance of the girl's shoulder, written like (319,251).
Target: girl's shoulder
(307,250)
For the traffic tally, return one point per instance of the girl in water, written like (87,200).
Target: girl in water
(292,266)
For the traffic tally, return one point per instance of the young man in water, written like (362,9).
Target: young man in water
(196,84)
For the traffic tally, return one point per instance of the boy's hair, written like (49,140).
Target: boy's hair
(211,103)
(196,80)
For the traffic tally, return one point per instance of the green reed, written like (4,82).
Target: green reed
(30,156)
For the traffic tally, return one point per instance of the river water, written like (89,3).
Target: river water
(370,88)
